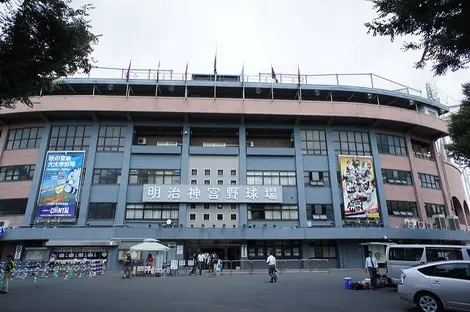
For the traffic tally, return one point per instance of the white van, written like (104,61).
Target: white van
(400,257)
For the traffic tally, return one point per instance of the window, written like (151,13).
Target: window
(429,181)
(233,182)
(192,206)
(220,182)
(390,144)
(399,177)
(207,182)
(317,178)
(111,138)
(194,172)
(206,206)
(220,217)
(17,173)
(207,172)
(460,271)
(280,249)
(220,172)
(406,254)
(192,216)
(220,206)
(149,176)
(233,206)
(402,208)
(233,172)
(152,212)
(273,212)
(107,176)
(320,212)
(286,178)
(434,209)
(322,250)
(13,206)
(24,138)
(313,142)
(421,150)
(70,138)
(351,143)
(206,217)
(434,254)
(193,182)
(101,211)
(233,216)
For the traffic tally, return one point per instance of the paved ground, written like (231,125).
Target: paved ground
(241,293)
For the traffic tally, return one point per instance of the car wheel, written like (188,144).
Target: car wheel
(428,302)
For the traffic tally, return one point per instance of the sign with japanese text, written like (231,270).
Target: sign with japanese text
(60,185)
(212,193)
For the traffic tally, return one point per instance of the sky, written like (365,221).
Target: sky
(319,36)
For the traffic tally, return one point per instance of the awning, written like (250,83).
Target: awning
(65,243)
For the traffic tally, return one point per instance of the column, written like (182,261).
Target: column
(126,162)
(243,208)
(90,165)
(35,185)
(378,179)
(183,207)
(299,173)
(333,170)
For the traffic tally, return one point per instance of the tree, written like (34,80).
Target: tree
(442,29)
(41,40)
(459,129)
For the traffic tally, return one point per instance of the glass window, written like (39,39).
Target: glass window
(192,216)
(273,212)
(459,271)
(220,172)
(323,249)
(434,209)
(206,217)
(233,172)
(317,178)
(13,206)
(320,212)
(193,172)
(152,212)
(111,138)
(151,176)
(406,254)
(207,172)
(351,143)
(402,208)
(429,181)
(70,138)
(220,217)
(17,173)
(101,211)
(390,144)
(313,142)
(421,150)
(285,178)
(434,254)
(233,216)
(399,177)
(24,138)
(107,176)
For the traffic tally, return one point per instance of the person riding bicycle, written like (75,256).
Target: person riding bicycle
(271,261)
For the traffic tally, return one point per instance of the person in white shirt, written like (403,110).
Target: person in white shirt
(371,268)
(200,262)
(271,261)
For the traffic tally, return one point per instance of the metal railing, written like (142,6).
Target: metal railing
(368,80)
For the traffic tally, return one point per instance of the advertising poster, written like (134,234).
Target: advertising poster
(60,185)
(359,187)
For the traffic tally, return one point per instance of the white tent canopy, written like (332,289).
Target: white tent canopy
(150,244)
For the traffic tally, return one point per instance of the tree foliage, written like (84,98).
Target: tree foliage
(41,40)
(442,28)
(459,129)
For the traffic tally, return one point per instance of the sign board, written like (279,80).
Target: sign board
(212,193)
(60,185)
(174,265)
(18,252)
(244,252)
(179,249)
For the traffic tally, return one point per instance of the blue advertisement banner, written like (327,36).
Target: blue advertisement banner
(60,185)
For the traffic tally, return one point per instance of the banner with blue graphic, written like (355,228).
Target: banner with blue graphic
(60,185)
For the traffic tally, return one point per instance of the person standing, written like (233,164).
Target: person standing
(128,266)
(371,268)
(200,262)
(271,261)
(7,273)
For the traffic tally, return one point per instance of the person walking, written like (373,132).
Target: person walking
(371,268)
(7,273)
(128,266)
(200,262)
(271,261)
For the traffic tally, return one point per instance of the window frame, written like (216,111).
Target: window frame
(429,181)
(94,207)
(343,146)
(407,208)
(111,138)
(314,142)
(273,212)
(392,176)
(396,148)
(274,178)
(165,210)
(70,138)
(8,173)
(110,180)
(17,206)
(137,176)
(23,138)
(434,209)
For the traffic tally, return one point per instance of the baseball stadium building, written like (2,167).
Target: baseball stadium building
(306,167)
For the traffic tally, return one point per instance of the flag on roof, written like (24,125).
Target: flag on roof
(273,74)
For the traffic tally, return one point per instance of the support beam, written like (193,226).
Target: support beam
(330,121)
(2,123)
(68,85)
(95,118)
(375,123)
(186,118)
(242,119)
(43,117)
(128,116)
(297,120)
(352,95)
(412,129)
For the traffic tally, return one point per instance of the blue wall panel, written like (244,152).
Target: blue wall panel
(104,193)
(155,162)
(108,160)
(318,195)
(134,193)
(289,195)
(315,163)
(267,163)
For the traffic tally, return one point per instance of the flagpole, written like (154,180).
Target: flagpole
(186,82)
(243,81)
(215,73)
(300,84)
(128,74)
(158,77)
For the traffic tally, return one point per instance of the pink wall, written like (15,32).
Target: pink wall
(19,157)
(15,220)
(456,189)
(18,189)
(395,162)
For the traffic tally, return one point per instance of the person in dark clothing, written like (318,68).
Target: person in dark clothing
(128,266)
(7,273)
(194,258)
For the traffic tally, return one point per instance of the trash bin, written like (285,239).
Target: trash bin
(347,283)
